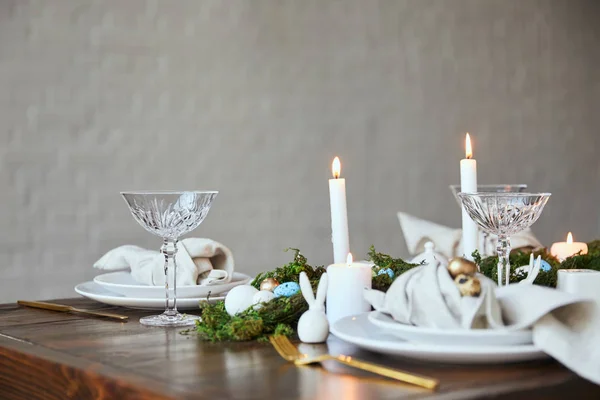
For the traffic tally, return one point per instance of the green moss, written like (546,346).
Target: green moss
(283,329)
(488,265)
(281,315)
(382,261)
(291,272)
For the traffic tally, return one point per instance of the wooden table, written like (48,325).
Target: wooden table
(51,355)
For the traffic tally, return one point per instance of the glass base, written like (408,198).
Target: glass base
(171,319)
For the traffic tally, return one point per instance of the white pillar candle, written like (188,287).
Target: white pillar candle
(468,184)
(580,282)
(339,214)
(347,282)
(564,250)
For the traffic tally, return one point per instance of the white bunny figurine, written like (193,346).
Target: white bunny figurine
(313,326)
(533,269)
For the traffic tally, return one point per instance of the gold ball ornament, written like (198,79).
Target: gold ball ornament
(468,285)
(459,265)
(269,284)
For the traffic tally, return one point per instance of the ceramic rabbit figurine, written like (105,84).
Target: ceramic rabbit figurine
(533,269)
(313,326)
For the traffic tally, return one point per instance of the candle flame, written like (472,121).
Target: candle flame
(349,259)
(468,148)
(570,238)
(336,167)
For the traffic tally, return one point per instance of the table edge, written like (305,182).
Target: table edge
(48,369)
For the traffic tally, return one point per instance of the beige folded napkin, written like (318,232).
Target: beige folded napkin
(565,326)
(427,296)
(199,262)
(448,240)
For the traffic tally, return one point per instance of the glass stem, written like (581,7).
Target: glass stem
(503,259)
(169,250)
(484,245)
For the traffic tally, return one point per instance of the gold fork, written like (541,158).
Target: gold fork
(290,352)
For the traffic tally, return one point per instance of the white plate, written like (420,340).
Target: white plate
(93,291)
(473,337)
(122,282)
(360,332)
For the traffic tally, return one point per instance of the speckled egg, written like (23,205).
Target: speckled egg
(387,271)
(286,289)
(545,266)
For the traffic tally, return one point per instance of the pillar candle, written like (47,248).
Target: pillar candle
(468,184)
(564,250)
(580,282)
(339,214)
(347,282)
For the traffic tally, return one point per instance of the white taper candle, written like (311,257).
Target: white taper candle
(339,215)
(468,184)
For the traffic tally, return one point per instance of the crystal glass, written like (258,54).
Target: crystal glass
(169,215)
(504,214)
(498,188)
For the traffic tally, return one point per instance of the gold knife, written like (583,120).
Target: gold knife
(63,308)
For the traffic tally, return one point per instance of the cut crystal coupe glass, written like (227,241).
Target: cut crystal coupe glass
(169,214)
(504,214)
(498,188)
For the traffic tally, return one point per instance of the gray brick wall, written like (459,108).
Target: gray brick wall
(254,98)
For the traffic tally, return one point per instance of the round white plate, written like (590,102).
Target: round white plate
(360,332)
(472,337)
(93,291)
(122,282)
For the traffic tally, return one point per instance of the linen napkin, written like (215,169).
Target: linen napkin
(448,241)
(199,261)
(564,325)
(427,296)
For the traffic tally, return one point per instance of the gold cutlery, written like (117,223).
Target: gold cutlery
(63,308)
(290,352)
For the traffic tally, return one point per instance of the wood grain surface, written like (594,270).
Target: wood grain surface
(52,355)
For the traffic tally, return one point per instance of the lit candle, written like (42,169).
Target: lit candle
(563,250)
(339,214)
(347,282)
(468,184)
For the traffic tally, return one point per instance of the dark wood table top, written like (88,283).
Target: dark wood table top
(52,355)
